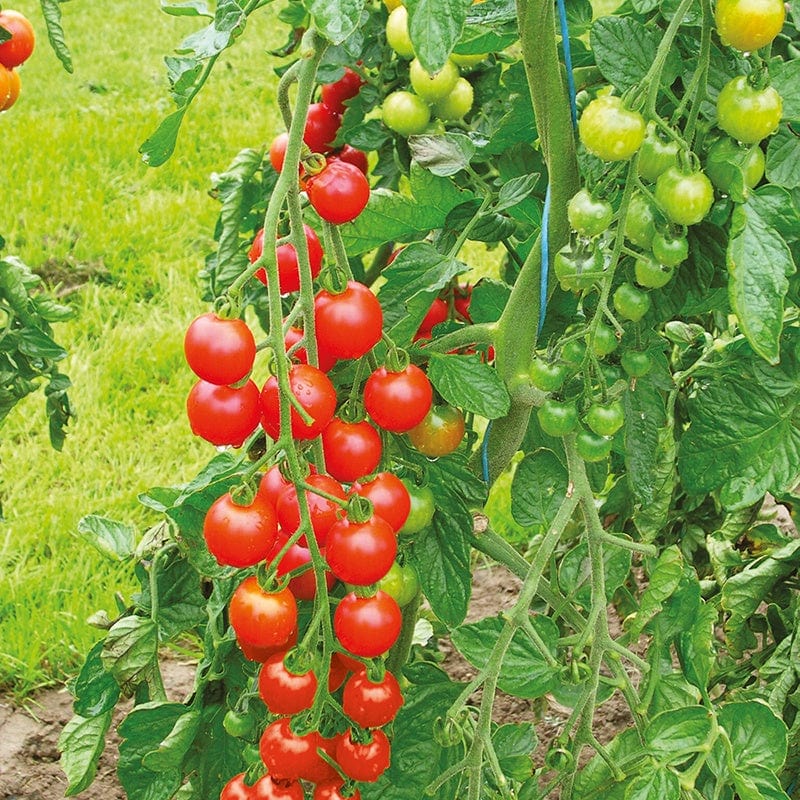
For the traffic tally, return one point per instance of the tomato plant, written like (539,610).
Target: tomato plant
(574,358)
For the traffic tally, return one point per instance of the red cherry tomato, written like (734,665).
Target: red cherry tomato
(347,87)
(291,757)
(315,393)
(240,536)
(284,692)
(364,762)
(220,351)
(288,267)
(389,497)
(372,705)
(223,415)
(438,312)
(261,618)
(323,512)
(367,626)
(398,401)
(360,553)
(339,193)
(322,127)
(17,49)
(358,158)
(350,323)
(261,654)
(277,151)
(332,790)
(304,586)
(293,336)
(9,87)
(462,300)
(337,673)
(440,433)
(352,449)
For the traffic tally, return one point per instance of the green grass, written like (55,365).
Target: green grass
(78,202)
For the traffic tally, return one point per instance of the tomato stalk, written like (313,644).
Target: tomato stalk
(698,86)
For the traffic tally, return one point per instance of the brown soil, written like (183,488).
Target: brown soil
(29,768)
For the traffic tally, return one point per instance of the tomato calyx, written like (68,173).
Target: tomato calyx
(359,509)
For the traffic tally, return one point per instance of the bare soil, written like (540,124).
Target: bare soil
(29,768)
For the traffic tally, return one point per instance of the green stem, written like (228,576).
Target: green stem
(398,655)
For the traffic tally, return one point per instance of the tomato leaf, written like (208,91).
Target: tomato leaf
(757,736)
(81,743)
(130,651)
(671,735)
(115,540)
(173,748)
(663,579)
(488,300)
(441,555)
(434,27)
(51,11)
(335,19)
(659,783)
(160,145)
(442,155)
(574,572)
(696,646)
(514,745)
(191,8)
(96,690)
(538,489)
(466,382)
(759,262)
(525,672)
(783,158)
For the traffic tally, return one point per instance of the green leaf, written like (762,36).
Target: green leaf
(515,191)
(441,555)
(625,51)
(192,8)
(663,580)
(451,477)
(696,646)
(679,610)
(575,572)
(417,756)
(130,651)
(35,343)
(658,784)
(785,77)
(514,744)
(538,489)
(160,145)
(173,748)
(115,540)
(525,672)
(672,735)
(757,736)
(81,744)
(488,301)
(435,26)
(142,732)
(783,158)
(96,690)
(743,439)
(442,155)
(336,20)
(51,10)
(759,261)
(596,778)
(650,518)
(469,384)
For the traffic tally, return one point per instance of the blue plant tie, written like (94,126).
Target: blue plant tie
(545,274)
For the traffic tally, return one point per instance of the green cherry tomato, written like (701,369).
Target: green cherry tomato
(640,223)
(605,420)
(650,274)
(468,60)
(405,113)
(432,88)
(573,352)
(670,250)
(588,216)
(440,432)
(656,155)
(397,33)
(734,169)
(547,376)
(558,418)
(579,269)
(401,583)
(749,24)
(609,130)
(685,198)
(423,505)
(746,113)
(458,103)
(604,342)
(592,447)
(630,302)
(636,363)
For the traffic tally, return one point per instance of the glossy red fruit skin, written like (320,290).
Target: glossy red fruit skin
(352,155)
(332,790)
(322,127)
(367,626)
(339,193)
(240,536)
(18,48)
(371,705)
(360,553)
(293,336)
(283,692)
(269,788)
(389,497)
(286,755)
(219,351)
(352,449)
(349,323)
(304,586)
(260,654)
(277,151)
(223,415)
(438,312)
(314,391)
(364,762)
(323,512)
(398,401)
(348,86)
(262,619)
(288,266)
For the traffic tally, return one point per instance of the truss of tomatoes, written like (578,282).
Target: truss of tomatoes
(14,52)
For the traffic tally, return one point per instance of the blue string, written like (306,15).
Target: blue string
(545,274)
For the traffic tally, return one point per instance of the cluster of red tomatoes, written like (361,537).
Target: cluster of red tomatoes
(13,52)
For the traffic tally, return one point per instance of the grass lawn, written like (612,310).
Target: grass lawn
(80,207)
